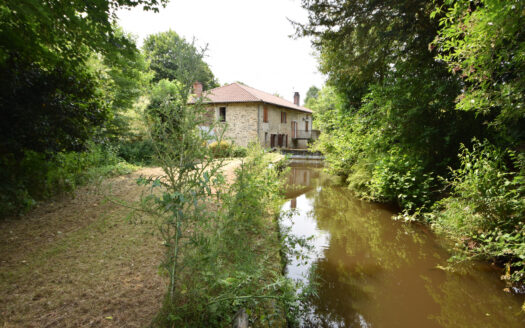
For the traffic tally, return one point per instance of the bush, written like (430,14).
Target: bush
(485,210)
(239,151)
(220,149)
(140,152)
(402,179)
(39,176)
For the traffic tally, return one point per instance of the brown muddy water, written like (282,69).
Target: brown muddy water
(372,271)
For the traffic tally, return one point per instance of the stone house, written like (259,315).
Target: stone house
(252,115)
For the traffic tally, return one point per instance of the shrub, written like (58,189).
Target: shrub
(485,210)
(220,149)
(140,152)
(239,151)
(38,176)
(400,178)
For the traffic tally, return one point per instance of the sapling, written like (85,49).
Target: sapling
(180,134)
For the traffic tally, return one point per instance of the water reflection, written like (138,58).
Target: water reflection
(375,272)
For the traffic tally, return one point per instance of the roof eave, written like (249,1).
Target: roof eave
(255,101)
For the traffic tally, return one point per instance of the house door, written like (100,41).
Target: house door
(294,129)
(272,140)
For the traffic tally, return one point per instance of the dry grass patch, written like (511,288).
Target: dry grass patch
(77,262)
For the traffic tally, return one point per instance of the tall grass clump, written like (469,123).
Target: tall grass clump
(222,251)
(485,211)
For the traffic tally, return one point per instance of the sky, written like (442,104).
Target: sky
(248,40)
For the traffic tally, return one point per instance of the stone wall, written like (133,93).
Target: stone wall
(241,122)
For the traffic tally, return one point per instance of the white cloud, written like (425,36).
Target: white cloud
(248,40)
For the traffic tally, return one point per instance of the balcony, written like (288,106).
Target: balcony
(305,135)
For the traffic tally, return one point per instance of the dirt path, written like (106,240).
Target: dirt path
(76,262)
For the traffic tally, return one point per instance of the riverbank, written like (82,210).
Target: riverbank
(77,262)
(371,271)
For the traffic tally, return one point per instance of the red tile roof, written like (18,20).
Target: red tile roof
(239,93)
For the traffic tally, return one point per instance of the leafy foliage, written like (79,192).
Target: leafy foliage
(53,98)
(311,95)
(123,79)
(67,74)
(49,110)
(49,32)
(402,179)
(137,151)
(393,100)
(172,57)
(483,42)
(38,176)
(486,208)
(359,40)
(220,149)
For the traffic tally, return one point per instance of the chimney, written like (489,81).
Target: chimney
(197,89)
(296,98)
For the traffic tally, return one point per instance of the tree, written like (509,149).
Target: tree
(397,100)
(360,40)
(51,100)
(66,73)
(49,32)
(172,57)
(311,94)
(48,110)
(123,81)
(482,41)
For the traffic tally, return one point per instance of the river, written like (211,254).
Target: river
(372,271)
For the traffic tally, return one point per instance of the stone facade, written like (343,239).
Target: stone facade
(241,122)
(274,126)
(245,124)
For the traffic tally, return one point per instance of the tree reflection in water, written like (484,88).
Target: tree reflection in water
(376,272)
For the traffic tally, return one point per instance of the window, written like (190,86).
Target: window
(265,139)
(306,126)
(222,114)
(283,117)
(265,114)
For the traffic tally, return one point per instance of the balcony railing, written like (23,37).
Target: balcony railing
(303,134)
